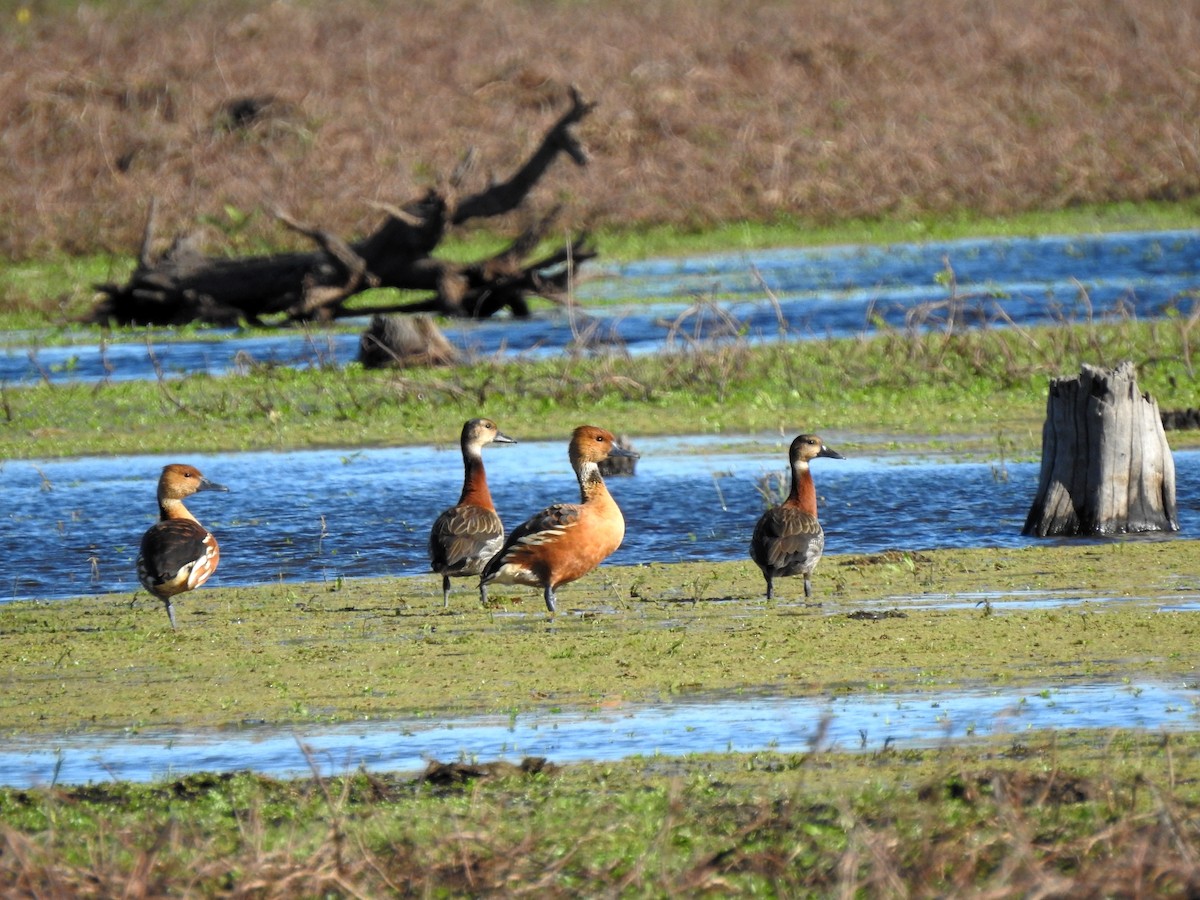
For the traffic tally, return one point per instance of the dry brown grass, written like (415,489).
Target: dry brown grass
(986,833)
(709,111)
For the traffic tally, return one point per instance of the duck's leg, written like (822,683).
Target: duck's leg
(550,597)
(770,585)
(170,612)
(482,592)
(807,585)
(445,591)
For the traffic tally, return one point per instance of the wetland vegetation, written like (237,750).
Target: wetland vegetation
(1071,811)
(718,127)
(1042,815)
(988,386)
(366,649)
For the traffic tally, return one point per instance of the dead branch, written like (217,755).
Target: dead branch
(183,285)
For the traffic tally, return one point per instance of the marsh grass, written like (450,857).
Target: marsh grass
(1076,813)
(1094,814)
(368,650)
(773,487)
(796,117)
(987,383)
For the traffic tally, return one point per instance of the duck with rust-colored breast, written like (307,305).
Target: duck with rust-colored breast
(566,541)
(468,534)
(178,553)
(788,539)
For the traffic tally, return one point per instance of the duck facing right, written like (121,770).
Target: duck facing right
(788,539)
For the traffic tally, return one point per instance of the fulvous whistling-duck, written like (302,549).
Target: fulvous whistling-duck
(468,534)
(788,539)
(566,541)
(178,553)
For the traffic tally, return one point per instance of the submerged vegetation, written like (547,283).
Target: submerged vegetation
(1071,813)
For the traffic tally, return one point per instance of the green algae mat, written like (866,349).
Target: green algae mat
(368,649)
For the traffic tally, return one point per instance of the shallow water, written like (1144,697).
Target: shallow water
(700,725)
(1012,601)
(71,527)
(820,292)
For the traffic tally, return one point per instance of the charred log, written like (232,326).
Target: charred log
(504,281)
(183,285)
(619,465)
(1181,419)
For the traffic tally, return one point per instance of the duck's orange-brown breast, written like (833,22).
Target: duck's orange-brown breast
(595,536)
(561,543)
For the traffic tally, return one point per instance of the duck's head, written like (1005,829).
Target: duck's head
(179,480)
(477,433)
(809,446)
(590,444)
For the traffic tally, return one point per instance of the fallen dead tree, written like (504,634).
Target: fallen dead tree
(183,285)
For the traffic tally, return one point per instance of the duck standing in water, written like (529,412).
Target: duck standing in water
(468,534)
(788,539)
(178,553)
(566,541)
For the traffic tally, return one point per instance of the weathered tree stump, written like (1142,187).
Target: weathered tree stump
(397,342)
(1106,466)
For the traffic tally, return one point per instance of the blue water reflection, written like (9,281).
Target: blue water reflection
(818,292)
(72,526)
(701,725)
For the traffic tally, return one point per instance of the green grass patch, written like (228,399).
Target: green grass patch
(988,387)
(370,649)
(1007,815)
(51,293)
(674,240)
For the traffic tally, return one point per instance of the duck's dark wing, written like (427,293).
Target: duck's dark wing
(787,541)
(176,555)
(464,537)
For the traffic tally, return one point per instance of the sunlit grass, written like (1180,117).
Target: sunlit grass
(311,653)
(52,293)
(664,240)
(1088,815)
(988,386)
(866,122)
